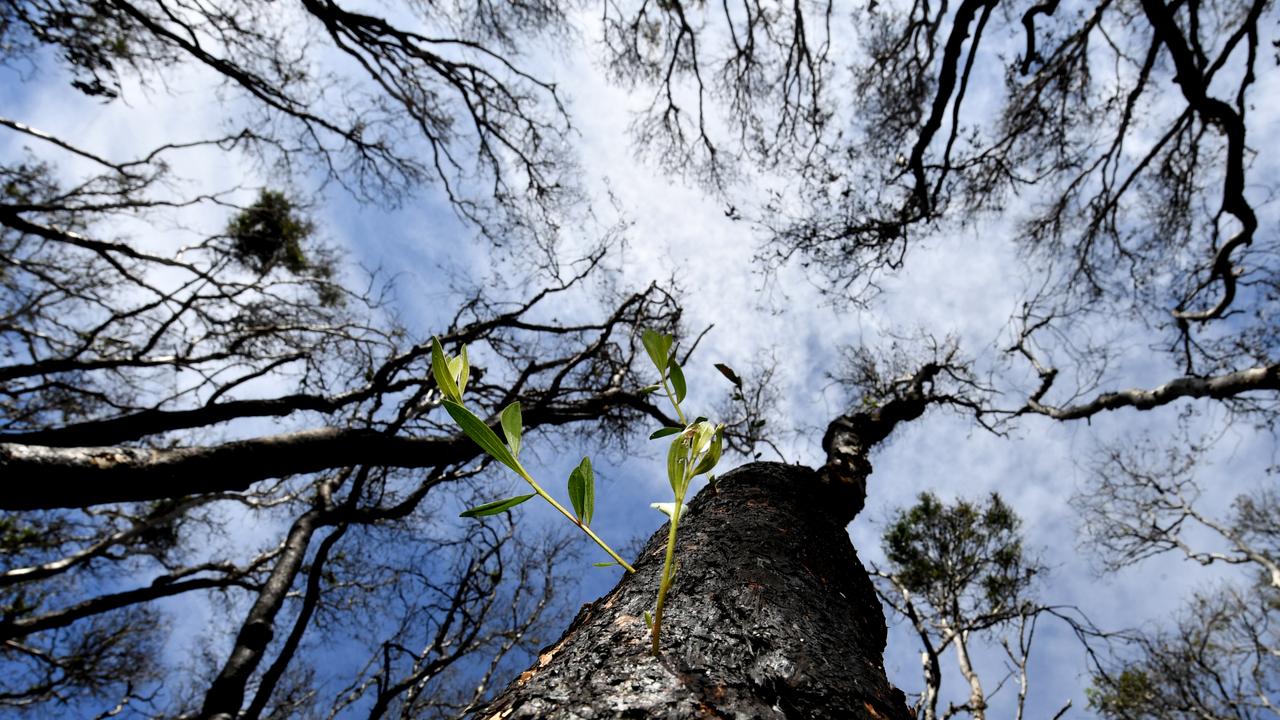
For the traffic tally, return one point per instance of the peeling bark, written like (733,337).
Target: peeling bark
(771,616)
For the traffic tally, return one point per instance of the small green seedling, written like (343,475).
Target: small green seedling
(451,377)
(694,450)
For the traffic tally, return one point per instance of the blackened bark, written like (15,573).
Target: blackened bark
(771,616)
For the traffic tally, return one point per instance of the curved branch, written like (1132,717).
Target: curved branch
(1220,387)
(1195,89)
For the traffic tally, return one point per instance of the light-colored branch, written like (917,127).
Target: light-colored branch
(1220,387)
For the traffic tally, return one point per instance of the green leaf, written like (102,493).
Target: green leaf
(757,424)
(658,346)
(582,491)
(703,432)
(650,389)
(482,434)
(589,506)
(495,507)
(512,426)
(440,369)
(677,380)
(663,432)
(648,619)
(713,453)
(676,462)
(611,563)
(728,372)
(464,373)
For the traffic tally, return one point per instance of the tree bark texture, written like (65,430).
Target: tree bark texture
(771,616)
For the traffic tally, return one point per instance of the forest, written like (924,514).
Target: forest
(639,358)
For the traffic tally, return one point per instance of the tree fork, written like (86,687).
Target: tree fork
(771,615)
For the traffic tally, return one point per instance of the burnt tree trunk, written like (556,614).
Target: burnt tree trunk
(771,616)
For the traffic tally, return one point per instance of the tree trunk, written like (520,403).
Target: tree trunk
(771,616)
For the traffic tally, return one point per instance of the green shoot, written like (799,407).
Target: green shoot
(695,450)
(451,377)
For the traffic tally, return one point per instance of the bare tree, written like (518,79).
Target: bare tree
(1163,234)
(227,413)
(1219,658)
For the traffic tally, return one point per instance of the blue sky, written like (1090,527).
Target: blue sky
(966,284)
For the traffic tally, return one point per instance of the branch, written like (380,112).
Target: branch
(1195,88)
(38,477)
(1219,387)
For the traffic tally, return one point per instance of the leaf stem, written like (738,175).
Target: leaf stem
(590,533)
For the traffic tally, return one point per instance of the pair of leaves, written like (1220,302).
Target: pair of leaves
(450,373)
(487,439)
(706,440)
(484,436)
(582,491)
(658,346)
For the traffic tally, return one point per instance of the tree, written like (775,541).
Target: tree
(1219,658)
(137,374)
(957,573)
(164,391)
(1097,219)
(1116,145)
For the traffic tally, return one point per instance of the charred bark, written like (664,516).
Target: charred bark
(771,616)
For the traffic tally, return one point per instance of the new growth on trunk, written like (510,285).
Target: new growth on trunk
(771,615)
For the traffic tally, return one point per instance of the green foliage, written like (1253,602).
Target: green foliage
(959,552)
(481,434)
(451,375)
(1127,695)
(695,449)
(513,427)
(582,491)
(1218,659)
(659,348)
(270,232)
(497,506)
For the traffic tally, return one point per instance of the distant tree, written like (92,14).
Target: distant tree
(1220,657)
(957,572)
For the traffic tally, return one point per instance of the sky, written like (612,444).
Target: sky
(961,285)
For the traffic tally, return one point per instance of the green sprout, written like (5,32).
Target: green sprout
(451,376)
(695,450)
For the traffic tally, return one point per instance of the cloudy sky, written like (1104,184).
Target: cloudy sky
(966,284)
